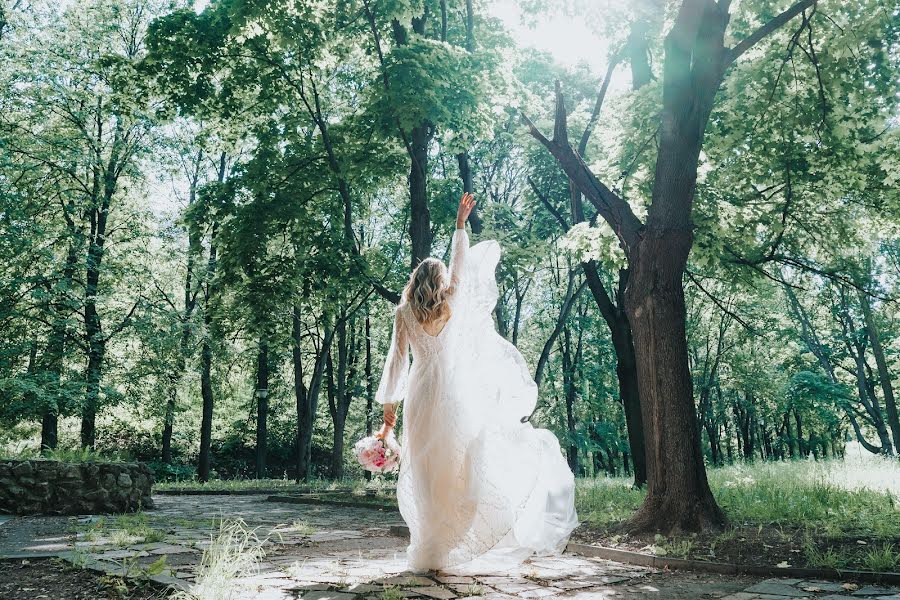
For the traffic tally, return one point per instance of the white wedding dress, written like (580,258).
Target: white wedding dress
(480,490)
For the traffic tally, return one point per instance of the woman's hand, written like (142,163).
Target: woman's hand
(390,419)
(466,204)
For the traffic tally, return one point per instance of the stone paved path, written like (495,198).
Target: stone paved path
(334,553)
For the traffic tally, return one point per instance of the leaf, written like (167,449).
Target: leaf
(157,566)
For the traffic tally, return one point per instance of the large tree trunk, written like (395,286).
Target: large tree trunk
(56,347)
(884,374)
(678,494)
(93,328)
(307,403)
(262,406)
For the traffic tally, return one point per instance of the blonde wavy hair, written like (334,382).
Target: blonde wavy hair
(428,290)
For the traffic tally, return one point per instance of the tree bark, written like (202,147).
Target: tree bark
(884,374)
(56,346)
(465,170)
(420,215)
(308,402)
(262,406)
(626,363)
(206,391)
(340,393)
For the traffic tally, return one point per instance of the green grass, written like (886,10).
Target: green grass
(392,593)
(882,558)
(832,497)
(124,530)
(233,555)
(78,455)
(298,527)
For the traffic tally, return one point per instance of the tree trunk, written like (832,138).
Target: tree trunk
(370,387)
(340,392)
(300,393)
(626,364)
(420,215)
(93,332)
(56,349)
(569,383)
(206,391)
(262,406)
(307,403)
(884,375)
(189,303)
(678,494)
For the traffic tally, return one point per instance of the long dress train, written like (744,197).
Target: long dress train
(479,489)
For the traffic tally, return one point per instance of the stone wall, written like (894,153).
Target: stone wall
(29,487)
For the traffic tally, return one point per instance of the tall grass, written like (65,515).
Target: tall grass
(233,555)
(850,497)
(76,455)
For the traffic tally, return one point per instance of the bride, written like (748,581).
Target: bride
(479,489)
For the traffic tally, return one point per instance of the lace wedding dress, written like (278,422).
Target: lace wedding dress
(479,489)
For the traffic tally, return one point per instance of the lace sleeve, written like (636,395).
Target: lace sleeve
(392,388)
(459,247)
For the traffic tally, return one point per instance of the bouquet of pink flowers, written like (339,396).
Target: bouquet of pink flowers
(377,455)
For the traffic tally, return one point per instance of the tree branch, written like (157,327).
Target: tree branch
(546,202)
(601,96)
(767,29)
(610,206)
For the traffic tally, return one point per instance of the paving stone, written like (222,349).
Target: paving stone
(775,587)
(541,592)
(454,579)
(820,586)
(572,584)
(310,587)
(606,579)
(835,597)
(408,580)
(515,588)
(326,596)
(362,588)
(436,592)
(119,554)
(740,596)
(871,590)
(580,595)
(784,580)
(467,589)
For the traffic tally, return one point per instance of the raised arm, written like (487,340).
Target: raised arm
(460,243)
(392,388)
